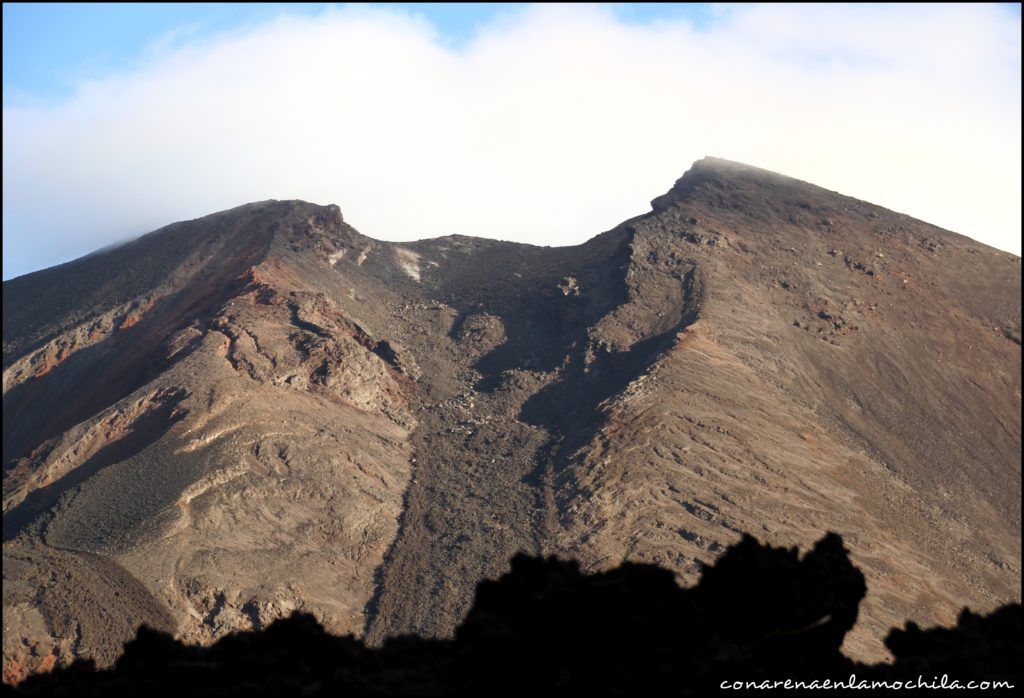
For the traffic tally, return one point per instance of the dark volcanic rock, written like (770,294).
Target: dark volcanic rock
(760,614)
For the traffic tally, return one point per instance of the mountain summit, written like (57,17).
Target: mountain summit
(263,411)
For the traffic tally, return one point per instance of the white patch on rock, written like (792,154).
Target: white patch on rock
(409,261)
(336,257)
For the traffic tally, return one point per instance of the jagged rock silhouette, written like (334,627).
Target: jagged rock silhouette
(760,613)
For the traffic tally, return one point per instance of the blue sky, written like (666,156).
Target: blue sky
(544,124)
(50,48)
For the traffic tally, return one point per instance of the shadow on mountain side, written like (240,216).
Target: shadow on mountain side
(758,614)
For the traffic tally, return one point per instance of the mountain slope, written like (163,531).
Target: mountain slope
(264,410)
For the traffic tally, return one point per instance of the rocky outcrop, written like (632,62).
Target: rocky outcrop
(760,617)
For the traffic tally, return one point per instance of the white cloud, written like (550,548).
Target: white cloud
(552,125)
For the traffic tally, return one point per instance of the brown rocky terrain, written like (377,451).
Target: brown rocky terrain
(759,618)
(264,411)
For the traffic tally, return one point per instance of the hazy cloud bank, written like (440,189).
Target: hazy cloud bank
(553,124)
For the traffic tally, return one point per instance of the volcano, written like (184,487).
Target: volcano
(264,411)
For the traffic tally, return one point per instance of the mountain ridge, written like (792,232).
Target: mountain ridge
(396,420)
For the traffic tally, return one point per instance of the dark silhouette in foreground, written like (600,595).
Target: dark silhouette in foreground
(758,614)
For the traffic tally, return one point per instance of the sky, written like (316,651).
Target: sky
(544,124)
